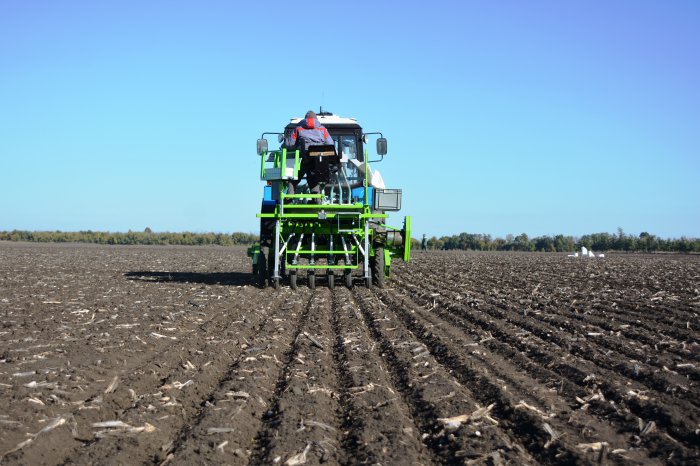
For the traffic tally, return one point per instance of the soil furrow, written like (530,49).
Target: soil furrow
(181,386)
(308,406)
(264,440)
(520,423)
(632,395)
(381,428)
(351,421)
(625,334)
(434,396)
(569,409)
(565,379)
(232,423)
(585,351)
(652,370)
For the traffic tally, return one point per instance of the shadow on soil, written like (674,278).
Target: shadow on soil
(215,278)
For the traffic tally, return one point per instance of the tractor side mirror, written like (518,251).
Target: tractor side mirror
(262,146)
(381,146)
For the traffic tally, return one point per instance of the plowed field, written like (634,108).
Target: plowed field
(172,355)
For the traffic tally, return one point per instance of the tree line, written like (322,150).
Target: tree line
(131,237)
(644,242)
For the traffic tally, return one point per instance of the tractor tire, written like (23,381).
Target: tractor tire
(262,270)
(312,280)
(270,264)
(293,279)
(331,280)
(376,265)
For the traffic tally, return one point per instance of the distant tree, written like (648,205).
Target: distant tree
(522,243)
(434,243)
(647,242)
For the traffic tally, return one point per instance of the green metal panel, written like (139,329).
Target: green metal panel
(328,216)
(320,252)
(263,156)
(366,199)
(407,239)
(299,266)
(324,206)
(253,252)
(279,162)
(387,262)
(301,196)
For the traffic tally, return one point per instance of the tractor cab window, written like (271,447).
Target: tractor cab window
(346,147)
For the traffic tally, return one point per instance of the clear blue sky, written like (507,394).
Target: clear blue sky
(502,117)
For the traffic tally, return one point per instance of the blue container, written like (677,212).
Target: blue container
(267,196)
(358,195)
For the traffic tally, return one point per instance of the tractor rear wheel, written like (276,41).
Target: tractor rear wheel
(275,282)
(376,265)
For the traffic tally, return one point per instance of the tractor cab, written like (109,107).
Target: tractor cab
(334,169)
(349,143)
(341,172)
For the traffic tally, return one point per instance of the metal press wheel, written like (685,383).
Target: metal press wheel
(293,279)
(331,280)
(312,280)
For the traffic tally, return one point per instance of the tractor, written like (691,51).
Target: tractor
(337,230)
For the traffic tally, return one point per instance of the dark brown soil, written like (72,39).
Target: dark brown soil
(172,355)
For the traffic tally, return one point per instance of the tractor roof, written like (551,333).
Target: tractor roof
(329,120)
